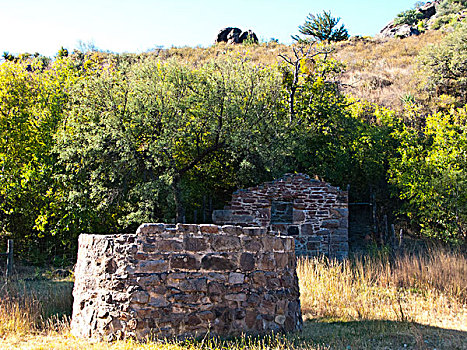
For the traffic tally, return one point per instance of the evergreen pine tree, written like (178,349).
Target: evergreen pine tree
(321,27)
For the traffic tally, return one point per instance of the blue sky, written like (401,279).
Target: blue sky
(139,25)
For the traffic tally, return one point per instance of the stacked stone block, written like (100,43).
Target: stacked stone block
(312,211)
(185,280)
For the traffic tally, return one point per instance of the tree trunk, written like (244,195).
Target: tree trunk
(179,208)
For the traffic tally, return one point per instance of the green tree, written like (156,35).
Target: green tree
(408,17)
(32,103)
(322,27)
(136,135)
(431,175)
(329,135)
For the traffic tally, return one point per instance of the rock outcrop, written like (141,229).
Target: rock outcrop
(429,9)
(398,31)
(233,35)
(392,30)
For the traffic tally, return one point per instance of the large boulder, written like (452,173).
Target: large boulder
(404,31)
(234,35)
(397,31)
(224,33)
(429,9)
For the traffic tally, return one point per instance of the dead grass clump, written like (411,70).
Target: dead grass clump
(429,289)
(439,270)
(264,53)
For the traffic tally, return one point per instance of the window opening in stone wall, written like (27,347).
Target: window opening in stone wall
(281,212)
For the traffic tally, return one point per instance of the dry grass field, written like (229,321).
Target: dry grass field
(383,71)
(402,302)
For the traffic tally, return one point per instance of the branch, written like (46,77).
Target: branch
(200,157)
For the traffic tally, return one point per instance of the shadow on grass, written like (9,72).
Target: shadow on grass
(325,334)
(377,334)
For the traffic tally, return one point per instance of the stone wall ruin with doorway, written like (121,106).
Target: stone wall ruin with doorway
(312,211)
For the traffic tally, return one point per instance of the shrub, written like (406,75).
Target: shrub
(448,13)
(408,17)
(445,65)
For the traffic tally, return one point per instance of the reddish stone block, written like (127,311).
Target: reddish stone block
(225,243)
(252,319)
(169,246)
(266,262)
(236,278)
(217,262)
(151,266)
(259,278)
(298,215)
(252,244)
(207,228)
(273,283)
(282,260)
(216,288)
(331,223)
(307,229)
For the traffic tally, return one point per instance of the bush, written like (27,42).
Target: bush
(442,21)
(451,6)
(448,13)
(408,17)
(445,65)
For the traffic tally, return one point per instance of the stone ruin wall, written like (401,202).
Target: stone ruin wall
(312,211)
(185,280)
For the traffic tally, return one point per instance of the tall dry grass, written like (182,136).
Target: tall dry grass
(34,306)
(429,288)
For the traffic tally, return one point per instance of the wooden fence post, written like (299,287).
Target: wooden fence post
(9,261)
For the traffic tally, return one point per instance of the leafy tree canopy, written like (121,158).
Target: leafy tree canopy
(431,175)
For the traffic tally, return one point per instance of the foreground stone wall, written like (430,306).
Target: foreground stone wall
(312,211)
(185,280)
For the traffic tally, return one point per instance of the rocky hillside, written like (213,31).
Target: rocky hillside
(432,15)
